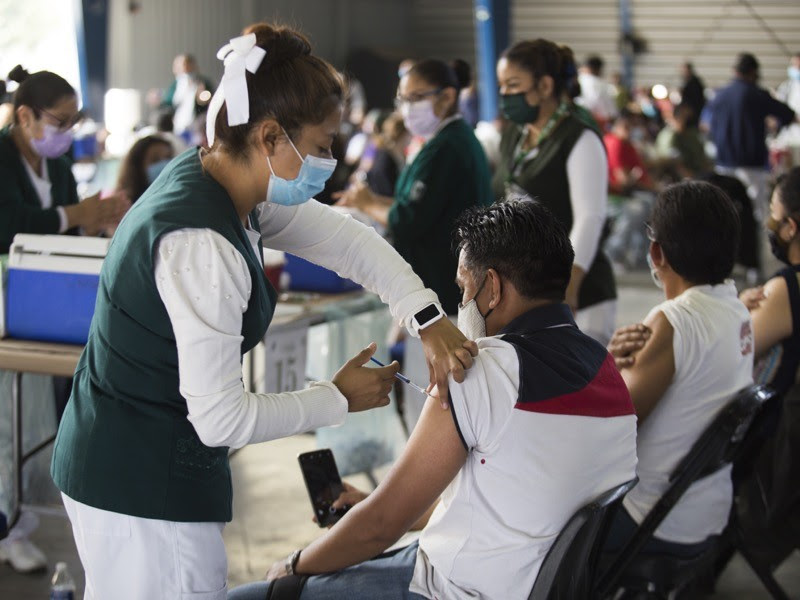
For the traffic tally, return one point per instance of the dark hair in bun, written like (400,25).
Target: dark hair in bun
(542,57)
(39,91)
(291,85)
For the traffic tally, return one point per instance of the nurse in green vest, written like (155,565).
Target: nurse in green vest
(38,195)
(549,152)
(141,456)
(449,175)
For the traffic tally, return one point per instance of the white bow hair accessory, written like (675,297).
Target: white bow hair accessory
(239,55)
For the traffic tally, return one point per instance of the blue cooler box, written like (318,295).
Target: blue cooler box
(308,277)
(52,287)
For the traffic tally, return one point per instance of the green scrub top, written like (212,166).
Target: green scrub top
(449,175)
(20,208)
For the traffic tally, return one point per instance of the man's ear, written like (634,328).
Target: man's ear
(495,288)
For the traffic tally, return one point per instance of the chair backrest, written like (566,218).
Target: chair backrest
(715,448)
(568,570)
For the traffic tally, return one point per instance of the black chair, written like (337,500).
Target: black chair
(568,570)
(657,575)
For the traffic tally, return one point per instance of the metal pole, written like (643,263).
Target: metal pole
(486,58)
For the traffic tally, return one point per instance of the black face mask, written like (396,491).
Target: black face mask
(779,248)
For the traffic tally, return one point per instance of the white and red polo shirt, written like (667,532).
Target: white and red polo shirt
(549,425)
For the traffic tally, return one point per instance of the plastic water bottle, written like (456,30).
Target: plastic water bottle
(63,587)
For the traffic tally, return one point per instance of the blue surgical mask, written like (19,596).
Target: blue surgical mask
(310,181)
(793,73)
(154,170)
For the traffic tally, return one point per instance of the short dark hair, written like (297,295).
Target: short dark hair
(521,240)
(746,64)
(788,187)
(595,64)
(697,227)
(39,91)
(291,85)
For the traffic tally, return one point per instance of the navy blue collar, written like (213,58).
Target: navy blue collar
(548,315)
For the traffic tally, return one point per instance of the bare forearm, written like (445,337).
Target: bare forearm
(358,537)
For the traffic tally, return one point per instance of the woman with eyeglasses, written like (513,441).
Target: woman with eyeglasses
(39,193)
(449,175)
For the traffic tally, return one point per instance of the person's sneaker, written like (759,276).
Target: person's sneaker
(22,555)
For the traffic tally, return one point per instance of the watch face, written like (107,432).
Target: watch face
(426,314)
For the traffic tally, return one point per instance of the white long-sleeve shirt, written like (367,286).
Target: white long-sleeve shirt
(587,173)
(205,285)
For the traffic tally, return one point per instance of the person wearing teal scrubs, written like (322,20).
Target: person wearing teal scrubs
(38,195)
(449,175)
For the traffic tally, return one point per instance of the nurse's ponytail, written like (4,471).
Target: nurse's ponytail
(291,85)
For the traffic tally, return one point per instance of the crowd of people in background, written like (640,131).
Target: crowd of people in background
(631,178)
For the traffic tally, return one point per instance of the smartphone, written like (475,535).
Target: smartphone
(323,484)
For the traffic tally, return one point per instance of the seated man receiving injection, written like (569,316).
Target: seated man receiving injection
(542,424)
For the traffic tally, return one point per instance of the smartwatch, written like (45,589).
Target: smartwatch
(425,317)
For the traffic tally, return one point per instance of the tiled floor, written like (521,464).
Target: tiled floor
(272,513)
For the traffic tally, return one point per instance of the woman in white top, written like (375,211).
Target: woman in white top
(142,452)
(698,355)
(550,150)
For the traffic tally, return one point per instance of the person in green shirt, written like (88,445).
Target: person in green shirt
(551,153)
(39,193)
(680,143)
(449,175)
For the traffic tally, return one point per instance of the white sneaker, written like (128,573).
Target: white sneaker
(22,555)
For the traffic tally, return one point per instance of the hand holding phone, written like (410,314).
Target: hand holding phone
(323,484)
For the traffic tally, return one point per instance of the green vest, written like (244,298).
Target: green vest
(125,444)
(20,208)
(544,178)
(449,175)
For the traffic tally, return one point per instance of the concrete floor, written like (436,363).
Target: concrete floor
(272,513)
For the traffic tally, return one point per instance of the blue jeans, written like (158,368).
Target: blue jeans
(385,577)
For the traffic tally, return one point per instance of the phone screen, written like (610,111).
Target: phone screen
(323,483)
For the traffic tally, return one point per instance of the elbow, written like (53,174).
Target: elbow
(210,436)
(380,528)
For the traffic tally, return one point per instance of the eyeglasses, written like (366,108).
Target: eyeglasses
(65,124)
(416,97)
(651,234)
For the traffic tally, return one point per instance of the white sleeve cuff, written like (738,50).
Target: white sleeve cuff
(62,218)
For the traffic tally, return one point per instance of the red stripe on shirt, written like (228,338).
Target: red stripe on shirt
(605,396)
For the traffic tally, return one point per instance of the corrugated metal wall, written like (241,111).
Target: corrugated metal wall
(442,29)
(586,26)
(710,34)
(142,44)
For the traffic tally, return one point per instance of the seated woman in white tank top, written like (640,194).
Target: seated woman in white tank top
(698,353)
